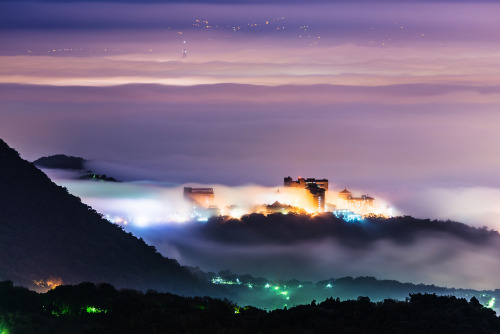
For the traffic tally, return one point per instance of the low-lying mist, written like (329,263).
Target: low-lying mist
(285,247)
(305,247)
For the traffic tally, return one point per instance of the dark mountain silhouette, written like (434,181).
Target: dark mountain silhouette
(61,161)
(78,164)
(46,233)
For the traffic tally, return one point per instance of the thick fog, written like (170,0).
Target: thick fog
(298,246)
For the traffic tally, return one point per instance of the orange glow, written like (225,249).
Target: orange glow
(46,285)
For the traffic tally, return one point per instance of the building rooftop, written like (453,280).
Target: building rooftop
(345,191)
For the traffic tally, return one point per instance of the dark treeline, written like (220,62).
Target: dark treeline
(287,229)
(261,293)
(89,308)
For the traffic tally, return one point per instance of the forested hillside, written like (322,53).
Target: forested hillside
(88,308)
(48,236)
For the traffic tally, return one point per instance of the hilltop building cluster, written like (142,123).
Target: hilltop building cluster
(347,206)
(311,193)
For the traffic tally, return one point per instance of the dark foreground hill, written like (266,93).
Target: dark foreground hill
(47,234)
(88,308)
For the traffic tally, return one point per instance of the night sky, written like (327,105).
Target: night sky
(398,99)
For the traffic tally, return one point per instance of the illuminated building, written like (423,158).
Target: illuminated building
(362,205)
(300,183)
(345,194)
(303,183)
(200,197)
(316,188)
(203,203)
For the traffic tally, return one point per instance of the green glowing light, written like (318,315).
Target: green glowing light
(300,285)
(491,303)
(267,285)
(276,288)
(328,285)
(284,293)
(62,311)
(3,329)
(250,285)
(92,309)
(3,326)
(236,310)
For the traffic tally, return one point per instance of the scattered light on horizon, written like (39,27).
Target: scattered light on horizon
(149,205)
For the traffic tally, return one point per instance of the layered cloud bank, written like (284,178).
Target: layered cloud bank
(284,247)
(258,61)
(306,247)
(426,152)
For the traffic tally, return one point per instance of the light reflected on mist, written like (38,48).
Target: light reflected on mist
(144,204)
(416,251)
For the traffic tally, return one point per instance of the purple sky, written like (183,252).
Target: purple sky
(397,99)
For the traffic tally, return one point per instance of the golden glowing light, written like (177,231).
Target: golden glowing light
(48,284)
